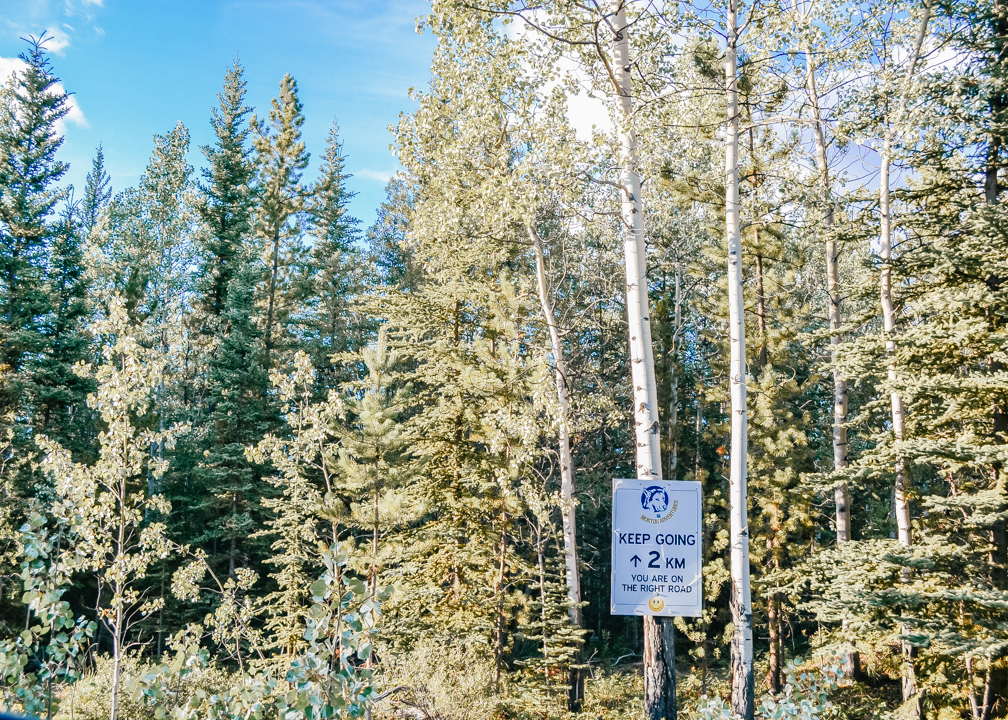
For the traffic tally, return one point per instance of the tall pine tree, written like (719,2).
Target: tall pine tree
(33,104)
(281,158)
(332,276)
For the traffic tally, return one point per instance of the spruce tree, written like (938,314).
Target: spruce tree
(240,411)
(332,276)
(300,516)
(62,391)
(29,171)
(234,408)
(144,248)
(944,360)
(97,193)
(227,198)
(388,245)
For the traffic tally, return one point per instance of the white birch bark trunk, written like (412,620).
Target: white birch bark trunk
(901,503)
(741,600)
(645,390)
(567,508)
(841,492)
(659,641)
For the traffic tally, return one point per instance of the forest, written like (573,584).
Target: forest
(260,461)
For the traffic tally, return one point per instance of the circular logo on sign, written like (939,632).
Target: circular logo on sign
(656,604)
(655,499)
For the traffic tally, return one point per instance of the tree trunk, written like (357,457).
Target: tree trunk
(499,615)
(567,507)
(233,550)
(268,340)
(543,616)
(996,690)
(659,669)
(658,666)
(699,431)
(742,696)
(760,311)
(901,503)
(841,492)
(645,391)
(775,658)
(674,377)
(116,666)
(374,542)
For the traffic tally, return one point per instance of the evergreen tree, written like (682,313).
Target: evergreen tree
(387,239)
(281,159)
(332,276)
(97,193)
(240,412)
(29,171)
(938,593)
(374,460)
(235,403)
(302,518)
(227,198)
(143,249)
(61,391)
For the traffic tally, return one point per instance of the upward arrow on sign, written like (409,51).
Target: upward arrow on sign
(635,560)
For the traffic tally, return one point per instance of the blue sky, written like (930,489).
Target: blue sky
(138,66)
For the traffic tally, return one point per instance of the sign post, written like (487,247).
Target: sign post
(657,569)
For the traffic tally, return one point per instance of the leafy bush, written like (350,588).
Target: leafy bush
(89,698)
(805,696)
(438,681)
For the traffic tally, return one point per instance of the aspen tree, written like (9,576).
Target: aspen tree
(901,502)
(741,600)
(106,503)
(659,642)
(567,509)
(841,493)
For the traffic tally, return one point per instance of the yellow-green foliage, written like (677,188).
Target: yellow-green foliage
(89,698)
(438,681)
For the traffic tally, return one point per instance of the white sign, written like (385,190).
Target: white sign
(657,553)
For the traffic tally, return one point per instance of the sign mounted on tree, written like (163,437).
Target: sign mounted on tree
(657,552)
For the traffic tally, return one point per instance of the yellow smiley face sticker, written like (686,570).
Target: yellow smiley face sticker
(655,604)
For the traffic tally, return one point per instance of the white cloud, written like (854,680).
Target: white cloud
(56,41)
(382,176)
(75,116)
(9,66)
(99,3)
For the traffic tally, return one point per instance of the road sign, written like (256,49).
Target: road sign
(657,553)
